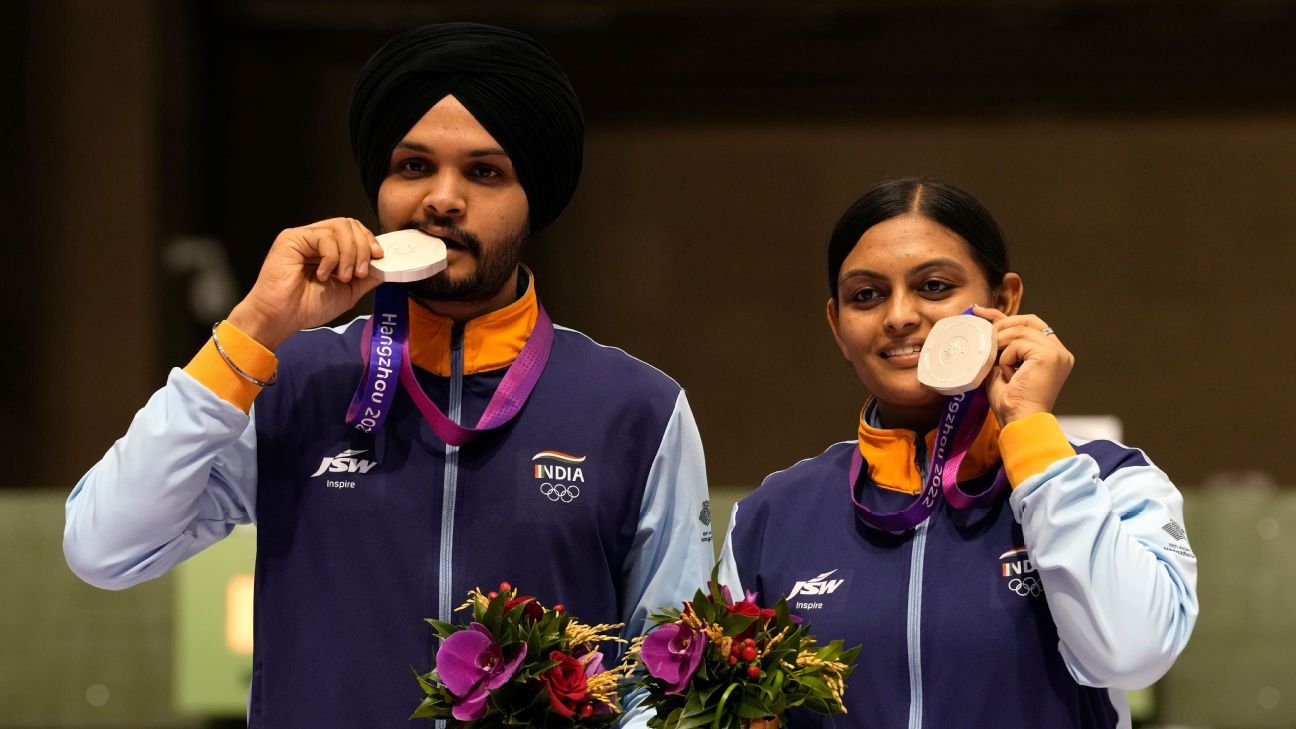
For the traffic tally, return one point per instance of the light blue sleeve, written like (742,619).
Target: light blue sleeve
(178,481)
(728,563)
(1118,573)
(671,556)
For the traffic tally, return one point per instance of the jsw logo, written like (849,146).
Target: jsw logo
(345,462)
(820,585)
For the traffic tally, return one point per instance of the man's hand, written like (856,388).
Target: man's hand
(310,276)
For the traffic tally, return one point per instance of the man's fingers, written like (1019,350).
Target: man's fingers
(327,247)
(344,238)
(363,247)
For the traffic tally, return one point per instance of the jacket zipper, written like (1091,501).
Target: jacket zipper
(914,619)
(445,576)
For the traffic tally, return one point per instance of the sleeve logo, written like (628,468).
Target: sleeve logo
(1173,529)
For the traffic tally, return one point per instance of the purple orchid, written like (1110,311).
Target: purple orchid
(471,664)
(724,592)
(672,653)
(593,663)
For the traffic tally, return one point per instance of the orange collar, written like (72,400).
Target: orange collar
(891,455)
(490,342)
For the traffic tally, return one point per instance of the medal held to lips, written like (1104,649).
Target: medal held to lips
(408,255)
(957,355)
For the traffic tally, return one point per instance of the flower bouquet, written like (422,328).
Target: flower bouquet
(724,664)
(519,663)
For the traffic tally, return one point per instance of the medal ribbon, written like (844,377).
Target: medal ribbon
(391,311)
(382,357)
(959,425)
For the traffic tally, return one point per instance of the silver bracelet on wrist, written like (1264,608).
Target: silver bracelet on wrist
(259,383)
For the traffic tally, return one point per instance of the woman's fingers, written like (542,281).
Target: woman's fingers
(1032,368)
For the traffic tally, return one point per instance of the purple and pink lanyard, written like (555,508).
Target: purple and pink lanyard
(385,349)
(956,432)
(958,429)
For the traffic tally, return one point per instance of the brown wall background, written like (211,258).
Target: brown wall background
(1141,157)
(1159,248)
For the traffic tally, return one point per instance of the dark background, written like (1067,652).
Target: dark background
(1140,156)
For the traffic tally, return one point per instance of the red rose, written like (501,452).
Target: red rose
(566,684)
(531,608)
(746,609)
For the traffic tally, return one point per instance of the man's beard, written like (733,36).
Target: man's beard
(493,270)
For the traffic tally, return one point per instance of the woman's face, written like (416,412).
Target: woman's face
(903,276)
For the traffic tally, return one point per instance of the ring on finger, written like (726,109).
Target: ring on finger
(1047,331)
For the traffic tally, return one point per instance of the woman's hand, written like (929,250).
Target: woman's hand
(1033,365)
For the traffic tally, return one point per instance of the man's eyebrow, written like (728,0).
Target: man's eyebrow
(424,149)
(414,146)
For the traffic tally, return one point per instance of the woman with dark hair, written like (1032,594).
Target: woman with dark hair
(997,573)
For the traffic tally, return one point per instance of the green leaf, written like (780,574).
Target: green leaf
(426,681)
(850,656)
(431,708)
(493,616)
(724,699)
(753,707)
(443,630)
(817,686)
(697,720)
(695,704)
(706,692)
(733,623)
(822,706)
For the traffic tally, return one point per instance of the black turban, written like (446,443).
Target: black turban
(505,79)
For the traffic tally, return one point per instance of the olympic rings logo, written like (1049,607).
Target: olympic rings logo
(1026,587)
(560,492)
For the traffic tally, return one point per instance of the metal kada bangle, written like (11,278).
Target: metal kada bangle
(259,383)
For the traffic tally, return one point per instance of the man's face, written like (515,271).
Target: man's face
(449,178)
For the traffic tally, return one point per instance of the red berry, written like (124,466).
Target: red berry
(505,587)
(753,671)
(586,711)
(735,649)
(492,594)
(733,660)
(749,654)
(558,608)
(749,643)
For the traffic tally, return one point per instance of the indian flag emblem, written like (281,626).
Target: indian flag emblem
(558,456)
(558,465)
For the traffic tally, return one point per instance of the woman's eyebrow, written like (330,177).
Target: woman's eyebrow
(935,263)
(925,265)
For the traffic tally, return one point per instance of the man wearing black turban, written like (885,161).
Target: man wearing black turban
(584,487)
